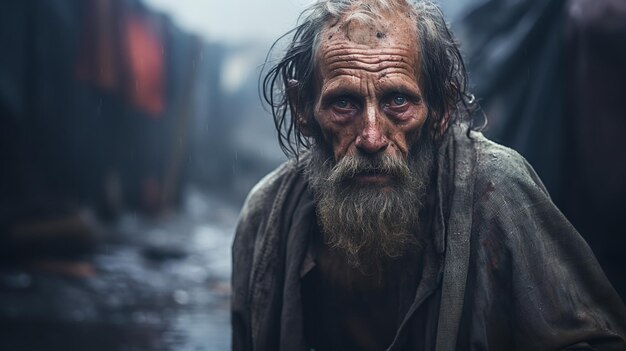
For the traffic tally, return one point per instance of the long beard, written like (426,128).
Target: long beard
(370,223)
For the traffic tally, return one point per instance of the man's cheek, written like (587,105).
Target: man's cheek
(343,142)
(339,137)
(408,135)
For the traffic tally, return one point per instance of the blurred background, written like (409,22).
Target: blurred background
(132,130)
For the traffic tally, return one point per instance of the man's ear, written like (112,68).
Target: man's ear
(298,111)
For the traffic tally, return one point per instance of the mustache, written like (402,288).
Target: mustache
(350,166)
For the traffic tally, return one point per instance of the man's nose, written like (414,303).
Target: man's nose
(371,138)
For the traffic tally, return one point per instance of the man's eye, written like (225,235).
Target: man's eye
(396,103)
(343,104)
(398,100)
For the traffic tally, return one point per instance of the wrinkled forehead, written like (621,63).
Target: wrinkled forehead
(364,28)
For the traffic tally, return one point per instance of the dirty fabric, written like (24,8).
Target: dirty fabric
(533,283)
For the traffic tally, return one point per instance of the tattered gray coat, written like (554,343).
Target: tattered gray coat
(516,274)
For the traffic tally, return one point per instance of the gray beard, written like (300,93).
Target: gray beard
(368,223)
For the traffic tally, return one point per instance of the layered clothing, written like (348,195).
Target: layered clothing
(503,270)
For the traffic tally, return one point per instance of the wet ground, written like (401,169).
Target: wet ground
(151,285)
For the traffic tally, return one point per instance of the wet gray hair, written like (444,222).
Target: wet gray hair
(443,76)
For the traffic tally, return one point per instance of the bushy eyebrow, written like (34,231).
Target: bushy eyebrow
(399,89)
(381,90)
(335,93)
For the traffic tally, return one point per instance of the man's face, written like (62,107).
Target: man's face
(369,99)
(370,111)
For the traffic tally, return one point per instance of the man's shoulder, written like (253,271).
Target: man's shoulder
(502,169)
(506,188)
(263,194)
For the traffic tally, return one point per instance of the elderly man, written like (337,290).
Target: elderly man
(395,226)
